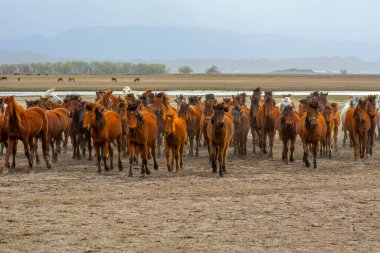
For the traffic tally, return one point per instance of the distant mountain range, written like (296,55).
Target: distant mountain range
(251,52)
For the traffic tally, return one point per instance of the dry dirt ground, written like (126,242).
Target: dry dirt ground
(259,206)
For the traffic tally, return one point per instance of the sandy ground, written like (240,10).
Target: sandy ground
(260,206)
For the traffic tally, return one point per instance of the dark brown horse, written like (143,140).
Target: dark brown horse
(24,125)
(79,136)
(312,130)
(241,122)
(267,117)
(336,117)
(325,148)
(253,111)
(105,127)
(287,129)
(358,124)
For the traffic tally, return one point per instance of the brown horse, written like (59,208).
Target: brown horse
(287,129)
(207,113)
(79,136)
(175,139)
(240,116)
(372,113)
(302,107)
(325,148)
(253,111)
(358,124)
(192,115)
(4,139)
(24,125)
(58,123)
(142,133)
(220,131)
(267,117)
(105,127)
(312,130)
(336,117)
(60,79)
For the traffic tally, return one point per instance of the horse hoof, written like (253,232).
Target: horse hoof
(307,164)
(156,166)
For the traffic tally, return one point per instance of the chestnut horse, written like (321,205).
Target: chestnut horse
(336,117)
(192,115)
(24,125)
(175,138)
(253,111)
(267,116)
(207,113)
(325,148)
(312,130)
(240,116)
(105,127)
(358,124)
(142,133)
(287,129)
(58,123)
(220,131)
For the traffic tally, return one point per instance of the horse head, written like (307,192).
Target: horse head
(312,114)
(218,117)
(371,106)
(134,117)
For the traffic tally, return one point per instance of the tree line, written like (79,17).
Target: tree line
(82,67)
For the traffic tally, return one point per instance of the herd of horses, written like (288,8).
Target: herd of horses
(138,126)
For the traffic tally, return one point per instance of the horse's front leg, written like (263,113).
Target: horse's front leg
(28,155)
(35,149)
(271,140)
(10,144)
(315,153)
(305,154)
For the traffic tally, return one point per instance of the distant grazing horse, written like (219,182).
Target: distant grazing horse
(267,117)
(253,111)
(3,78)
(287,129)
(141,133)
(352,103)
(24,125)
(79,136)
(336,117)
(372,113)
(220,131)
(60,79)
(358,124)
(105,127)
(192,115)
(71,79)
(312,130)
(136,80)
(241,122)
(113,79)
(325,148)
(175,138)
(19,79)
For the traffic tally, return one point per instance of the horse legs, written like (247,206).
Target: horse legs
(167,154)
(10,144)
(173,158)
(213,154)
(35,149)
(285,150)
(345,135)
(110,151)
(119,150)
(336,139)
(53,152)
(329,146)
(197,142)
(74,143)
(2,149)
(131,150)
(14,152)
(27,153)
(235,142)
(159,142)
(315,153)
(305,154)
(66,140)
(264,141)
(191,137)
(292,148)
(89,144)
(153,152)
(253,140)
(45,147)
(224,155)
(98,156)
(104,148)
(144,157)
(355,140)
(181,155)
(271,140)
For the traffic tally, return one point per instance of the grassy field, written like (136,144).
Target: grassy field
(194,82)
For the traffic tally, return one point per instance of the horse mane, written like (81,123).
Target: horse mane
(334,105)
(210,96)
(257,91)
(99,117)
(268,94)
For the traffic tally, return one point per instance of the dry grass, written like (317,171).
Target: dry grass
(202,82)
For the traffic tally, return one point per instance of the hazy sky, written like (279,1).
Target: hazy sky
(312,19)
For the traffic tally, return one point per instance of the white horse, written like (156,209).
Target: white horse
(351,103)
(287,100)
(127,91)
(52,96)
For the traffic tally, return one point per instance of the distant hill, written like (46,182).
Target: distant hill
(133,42)
(294,71)
(10,57)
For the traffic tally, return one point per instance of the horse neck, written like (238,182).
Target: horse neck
(17,115)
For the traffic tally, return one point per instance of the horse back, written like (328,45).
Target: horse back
(36,118)
(113,124)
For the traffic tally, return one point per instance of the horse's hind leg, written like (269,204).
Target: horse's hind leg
(105,154)
(28,155)
(153,152)
(305,154)
(271,140)
(119,150)
(7,154)
(45,148)
(53,152)
(315,152)
(14,152)
(292,148)
(34,149)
